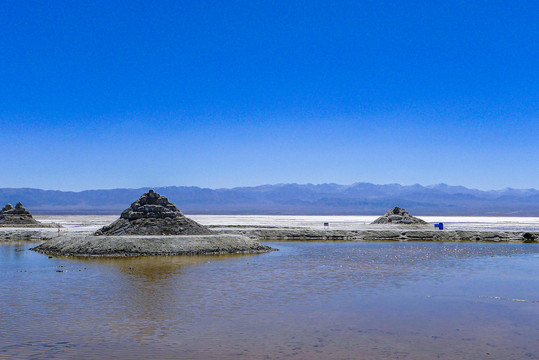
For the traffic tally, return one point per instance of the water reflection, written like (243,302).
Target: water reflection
(149,291)
(152,268)
(309,300)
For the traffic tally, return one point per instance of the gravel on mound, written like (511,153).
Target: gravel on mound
(91,245)
(398,215)
(177,226)
(153,214)
(17,216)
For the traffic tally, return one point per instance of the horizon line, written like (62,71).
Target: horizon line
(275,184)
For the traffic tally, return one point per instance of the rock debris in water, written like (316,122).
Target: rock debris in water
(153,214)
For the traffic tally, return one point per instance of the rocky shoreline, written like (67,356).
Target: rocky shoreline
(133,245)
(388,235)
(30,226)
(10,234)
(296,234)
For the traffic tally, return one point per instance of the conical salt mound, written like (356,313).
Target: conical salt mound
(17,215)
(398,215)
(153,214)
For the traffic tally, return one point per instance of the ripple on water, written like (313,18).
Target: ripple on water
(308,300)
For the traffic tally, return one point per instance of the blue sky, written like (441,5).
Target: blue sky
(108,94)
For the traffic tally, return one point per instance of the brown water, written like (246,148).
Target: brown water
(310,300)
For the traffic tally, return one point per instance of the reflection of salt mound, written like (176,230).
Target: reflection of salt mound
(153,214)
(17,215)
(398,215)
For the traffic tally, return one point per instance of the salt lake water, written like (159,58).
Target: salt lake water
(309,300)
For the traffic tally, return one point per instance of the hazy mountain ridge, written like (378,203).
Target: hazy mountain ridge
(358,198)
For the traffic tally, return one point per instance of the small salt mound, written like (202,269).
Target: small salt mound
(17,215)
(153,214)
(398,215)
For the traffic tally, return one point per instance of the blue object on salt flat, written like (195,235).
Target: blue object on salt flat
(326,224)
(439,226)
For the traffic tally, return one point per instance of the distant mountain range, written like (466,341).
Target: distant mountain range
(324,199)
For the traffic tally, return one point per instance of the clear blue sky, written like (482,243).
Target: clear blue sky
(105,94)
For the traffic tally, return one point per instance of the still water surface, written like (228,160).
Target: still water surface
(310,300)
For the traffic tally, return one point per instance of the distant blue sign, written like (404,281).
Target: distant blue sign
(439,226)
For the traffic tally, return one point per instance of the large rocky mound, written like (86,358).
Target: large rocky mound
(153,214)
(17,215)
(398,215)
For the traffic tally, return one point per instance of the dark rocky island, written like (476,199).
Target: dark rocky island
(398,215)
(151,226)
(18,216)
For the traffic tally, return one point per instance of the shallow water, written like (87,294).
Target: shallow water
(310,300)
